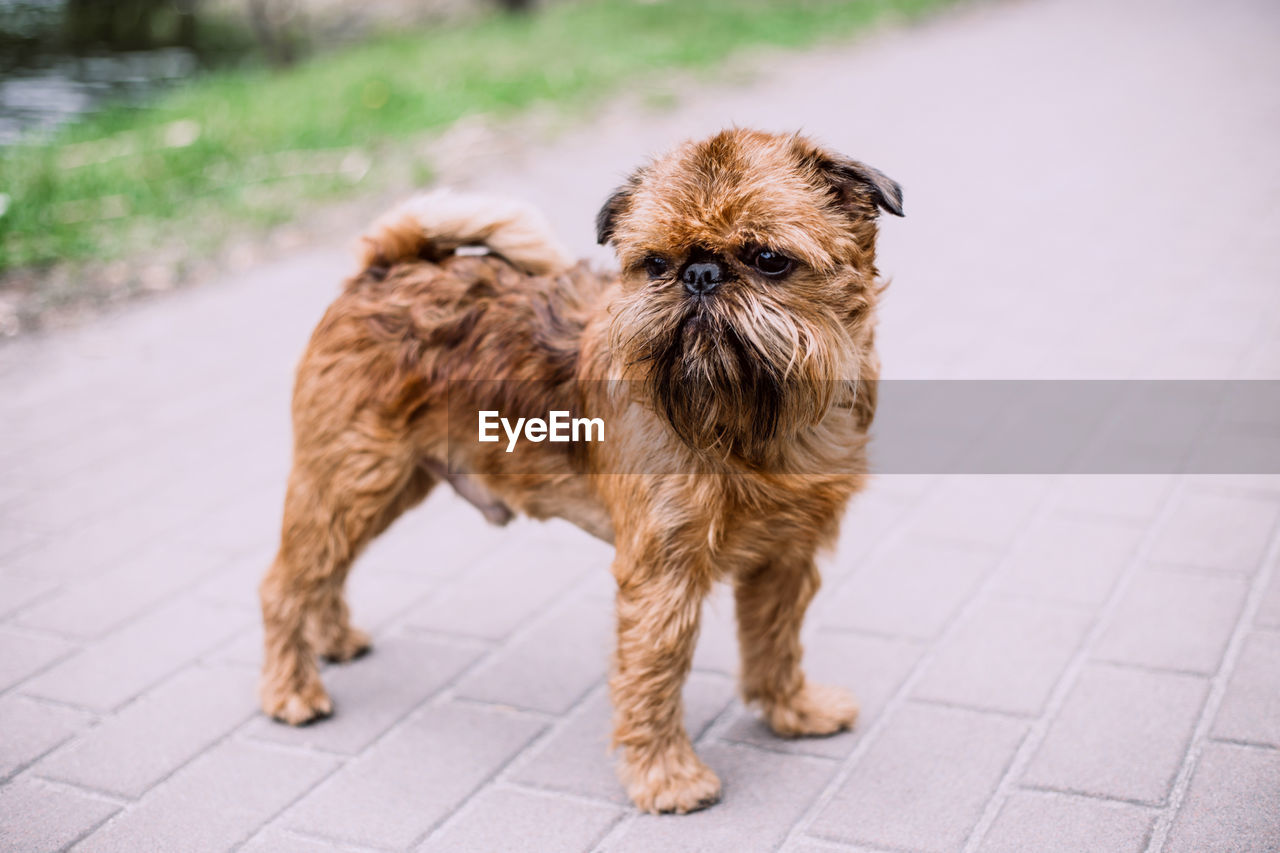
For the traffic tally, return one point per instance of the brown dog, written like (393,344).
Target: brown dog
(731,364)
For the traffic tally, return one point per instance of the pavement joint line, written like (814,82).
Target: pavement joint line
(1257,746)
(901,695)
(302,835)
(981,709)
(69,787)
(1153,806)
(1217,691)
(535,713)
(465,803)
(540,741)
(1071,672)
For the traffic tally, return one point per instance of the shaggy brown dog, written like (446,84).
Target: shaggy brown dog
(731,362)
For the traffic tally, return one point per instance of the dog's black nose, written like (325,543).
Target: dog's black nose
(702,277)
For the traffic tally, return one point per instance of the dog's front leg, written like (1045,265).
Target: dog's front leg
(658,612)
(771,603)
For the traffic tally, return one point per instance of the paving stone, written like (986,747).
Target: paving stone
(717,649)
(33,728)
(82,550)
(763,795)
(22,654)
(128,661)
(517,821)
(1058,823)
(870,517)
(577,759)
(35,817)
(88,609)
(17,591)
(550,667)
(1173,620)
(1228,532)
(213,803)
(492,599)
(272,840)
(1233,804)
(407,783)
(1250,710)
(979,509)
(924,782)
(1007,655)
(872,668)
(1122,733)
(1268,614)
(911,591)
(1135,497)
(373,693)
(163,730)
(1070,559)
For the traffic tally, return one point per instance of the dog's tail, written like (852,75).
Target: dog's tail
(434,225)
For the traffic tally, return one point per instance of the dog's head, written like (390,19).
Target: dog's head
(748,280)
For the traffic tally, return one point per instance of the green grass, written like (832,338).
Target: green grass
(250,146)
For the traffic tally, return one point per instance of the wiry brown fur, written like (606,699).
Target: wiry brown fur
(756,400)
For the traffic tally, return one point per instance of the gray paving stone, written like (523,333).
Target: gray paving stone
(577,760)
(1250,710)
(1122,733)
(549,668)
(373,693)
(1058,823)
(272,840)
(1007,655)
(518,821)
(872,668)
(90,608)
(870,517)
(717,649)
(980,509)
(82,550)
(763,795)
(17,591)
(23,653)
(35,817)
(124,663)
(1233,804)
(924,782)
(1073,559)
(912,590)
(33,728)
(214,802)
(1229,532)
(154,736)
(1268,614)
(492,599)
(1173,620)
(1135,497)
(405,784)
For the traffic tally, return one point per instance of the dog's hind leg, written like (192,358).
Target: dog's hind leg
(338,499)
(771,603)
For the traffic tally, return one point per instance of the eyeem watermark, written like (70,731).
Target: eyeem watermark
(558,426)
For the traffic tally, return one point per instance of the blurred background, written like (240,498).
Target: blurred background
(159,138)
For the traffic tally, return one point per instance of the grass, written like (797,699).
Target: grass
(250,146)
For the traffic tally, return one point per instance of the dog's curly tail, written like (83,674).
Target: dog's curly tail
(433,225)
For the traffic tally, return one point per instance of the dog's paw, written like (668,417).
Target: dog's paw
(815,710)
(674,786)
(344,646)
(297,707)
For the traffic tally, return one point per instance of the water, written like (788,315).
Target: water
(44,83)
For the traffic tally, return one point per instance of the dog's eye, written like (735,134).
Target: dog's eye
(655,266)
(771,263)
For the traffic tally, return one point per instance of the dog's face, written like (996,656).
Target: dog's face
(748,276)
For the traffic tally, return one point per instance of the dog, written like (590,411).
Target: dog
(731,361)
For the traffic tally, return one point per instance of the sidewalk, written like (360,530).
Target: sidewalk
(1044,663)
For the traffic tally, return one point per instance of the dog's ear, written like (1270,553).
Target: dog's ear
(854,181)
(617,204)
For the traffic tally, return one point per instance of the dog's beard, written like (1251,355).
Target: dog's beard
(734,374)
